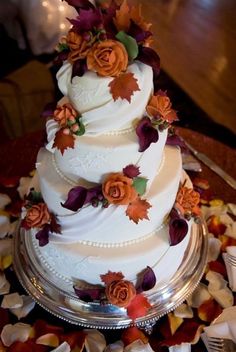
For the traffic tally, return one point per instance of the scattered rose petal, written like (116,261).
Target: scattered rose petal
(4,284)
(174,322)
(117,346)
(218,289)
(6,247)
(64,347)
(94,341)
(4,200)
(28,305)
(41,327)
(4,224)
(12,333)
(5,261)
(199,296)
(138,307)
(13,300)
(138,346)
(24,186)
(50,339)
(214,246)
(184,347)
(132,334)
(10,181)
(218,267)
(209,310)
(231,230)
(232,208)
(183,311)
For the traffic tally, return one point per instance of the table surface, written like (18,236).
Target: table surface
(196,40)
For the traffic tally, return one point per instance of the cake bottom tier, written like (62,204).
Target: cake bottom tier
(78,263)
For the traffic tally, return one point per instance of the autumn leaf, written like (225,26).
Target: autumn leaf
(111,276)
(122,17)
(137,210)
(63,141)
(138,307)
(123,86)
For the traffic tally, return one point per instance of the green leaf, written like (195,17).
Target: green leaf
(81,129)
(130,44)
(140,184)
(36,196)
(62,46)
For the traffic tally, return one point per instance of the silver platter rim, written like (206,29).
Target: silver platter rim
(65,305)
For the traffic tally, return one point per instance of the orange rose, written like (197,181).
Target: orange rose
(118,189)
(64,113)
(37,216)
(160,105)
(78,45)
(120,292)
(107,58)
(187,201)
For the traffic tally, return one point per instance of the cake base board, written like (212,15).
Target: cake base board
(45,289)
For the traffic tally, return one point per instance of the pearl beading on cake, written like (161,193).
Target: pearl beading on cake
(58,171)
(120,132)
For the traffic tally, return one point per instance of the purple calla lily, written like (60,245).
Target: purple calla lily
(43,235)
(80,4)
(148,280)
(88,295)
(146,133)
(79,196)
(178,228)
(149,57)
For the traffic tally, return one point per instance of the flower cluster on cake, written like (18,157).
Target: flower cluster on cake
(109,197)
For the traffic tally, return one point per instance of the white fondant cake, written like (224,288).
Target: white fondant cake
(123,134)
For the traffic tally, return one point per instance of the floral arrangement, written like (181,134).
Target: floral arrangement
(120,188)
(38,216)
(121,292)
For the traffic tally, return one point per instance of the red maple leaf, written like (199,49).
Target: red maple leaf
(138,307)
(111,276)
(138,210)
(123,86)
(63,141)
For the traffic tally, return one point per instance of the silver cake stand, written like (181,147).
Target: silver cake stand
(60,300)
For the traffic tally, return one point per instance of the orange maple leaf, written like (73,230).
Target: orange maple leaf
(136,16)
(137,210)
(122,17)
(111,276)
(123,86)
(138,307)
(63,141)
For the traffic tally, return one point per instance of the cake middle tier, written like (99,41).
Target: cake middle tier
(109,227)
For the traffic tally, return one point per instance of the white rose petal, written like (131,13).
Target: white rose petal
(184,347)
(25,309)
(6,247)
(13,300)
(231,208)
(4,200)
(24,186)
(94,341)
(4,225)
(226,219)
(12,228)
(183,311)
(5,289)
(213,210)
(117,346)
(218,289)
(199,295)
(12,333)
(64,347)
(213,249)
(138,346)
(231,230)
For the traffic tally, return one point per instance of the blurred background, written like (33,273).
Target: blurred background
(196,40)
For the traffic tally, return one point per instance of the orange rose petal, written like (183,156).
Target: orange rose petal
(132,334)
(209,310)
(174,322)
(215,226)
(138,307)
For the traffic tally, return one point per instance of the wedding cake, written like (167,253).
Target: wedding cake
(110,206)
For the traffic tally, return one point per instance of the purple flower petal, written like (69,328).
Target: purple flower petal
(178,228)
(149,57)
(80,4)
(146,133)
(93,193)
(175,140)
(49,109)
(76,198)
(131,171)
(88,20)
(79,68)
(148,280)
(138,33)
(43,235)
(88,295)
